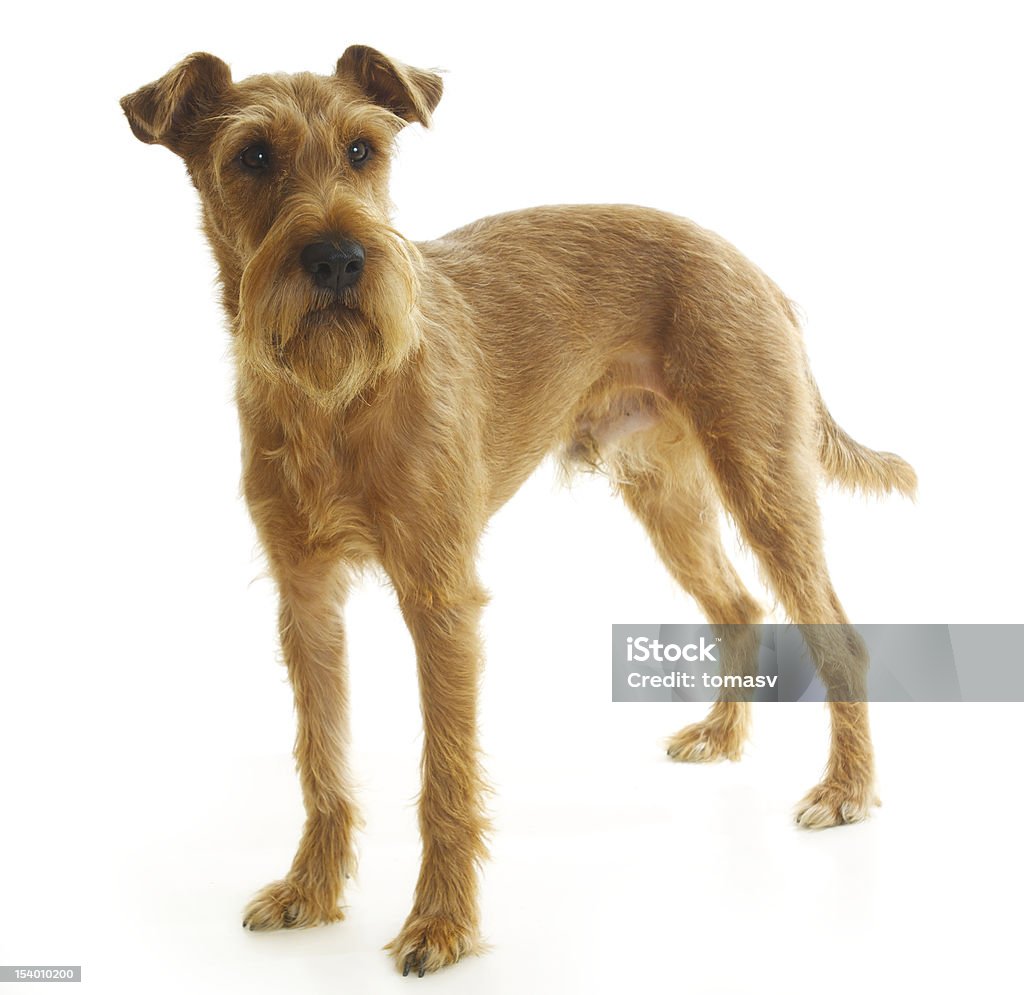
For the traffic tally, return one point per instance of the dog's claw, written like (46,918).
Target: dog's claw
(410,963)
(428,943)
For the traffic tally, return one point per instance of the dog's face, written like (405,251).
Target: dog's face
(293,176)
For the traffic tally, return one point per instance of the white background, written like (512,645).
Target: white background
(867,157)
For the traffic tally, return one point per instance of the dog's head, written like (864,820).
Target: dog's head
(293,176)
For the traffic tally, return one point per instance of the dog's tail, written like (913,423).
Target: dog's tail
(849,464)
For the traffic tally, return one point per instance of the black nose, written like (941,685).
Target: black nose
(334,265)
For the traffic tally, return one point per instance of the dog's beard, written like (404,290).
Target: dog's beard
(334,354)
(329,348)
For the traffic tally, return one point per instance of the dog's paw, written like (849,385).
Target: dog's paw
(427,943)
(833,804)
(704,742)
(286,905)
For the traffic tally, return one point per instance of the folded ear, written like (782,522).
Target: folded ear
(410,93)
(162,113)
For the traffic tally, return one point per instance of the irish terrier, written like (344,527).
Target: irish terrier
(393,395)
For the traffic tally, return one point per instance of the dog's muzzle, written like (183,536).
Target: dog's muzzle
(334,265)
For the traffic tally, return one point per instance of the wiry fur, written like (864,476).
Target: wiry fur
(388,424)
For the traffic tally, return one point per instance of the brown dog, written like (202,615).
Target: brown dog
(393,395)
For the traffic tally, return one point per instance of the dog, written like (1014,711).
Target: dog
(392,396)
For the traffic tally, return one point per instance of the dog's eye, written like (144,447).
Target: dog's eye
(359,152)
(255,157)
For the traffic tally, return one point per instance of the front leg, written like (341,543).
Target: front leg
(444,923)
(312,639)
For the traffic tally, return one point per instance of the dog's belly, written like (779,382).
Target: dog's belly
(626,401)
(598,433)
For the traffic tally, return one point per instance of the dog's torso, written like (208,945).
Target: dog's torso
(519,364)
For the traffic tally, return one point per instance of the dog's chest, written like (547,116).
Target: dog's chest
(310,478)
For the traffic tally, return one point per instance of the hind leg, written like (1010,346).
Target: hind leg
(760,447)
(722,734)
(788,543)
(672,497)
